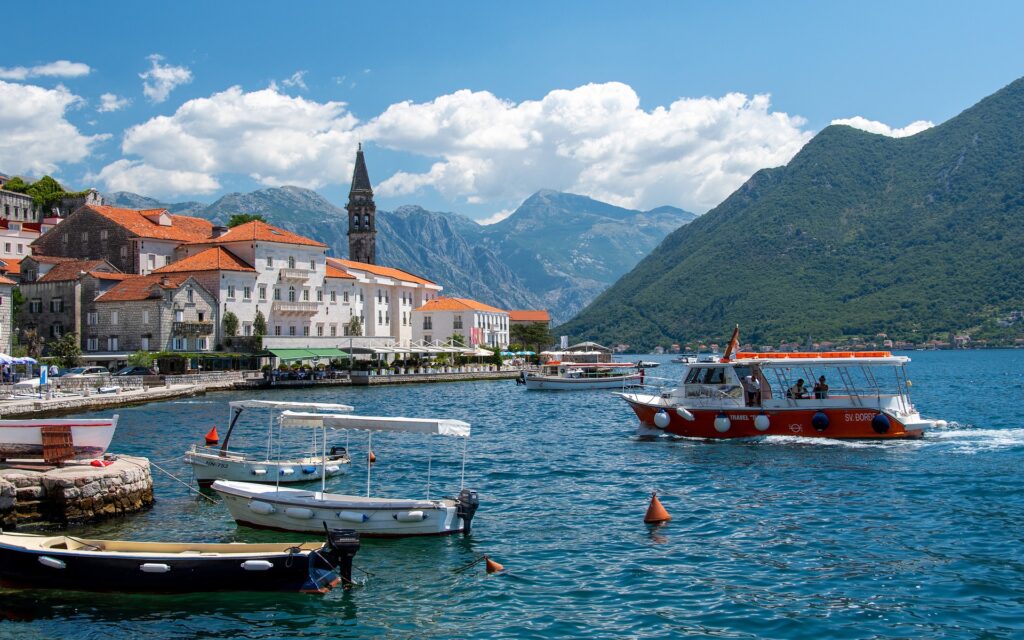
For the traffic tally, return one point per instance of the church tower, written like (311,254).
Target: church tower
(362,214)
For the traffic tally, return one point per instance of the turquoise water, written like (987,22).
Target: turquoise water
(780,538)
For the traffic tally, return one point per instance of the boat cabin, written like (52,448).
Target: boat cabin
(585,369)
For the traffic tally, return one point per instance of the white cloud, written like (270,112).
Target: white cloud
(35,136)
(272,137)
(296,80)
(58,68)
(874,126)
(160,79)
(496,217)
(110,102)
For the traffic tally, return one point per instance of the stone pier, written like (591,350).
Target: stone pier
(32,492)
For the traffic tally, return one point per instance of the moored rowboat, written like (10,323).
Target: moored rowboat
(24,438)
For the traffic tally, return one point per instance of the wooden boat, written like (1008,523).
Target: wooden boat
(69,563)
(87,438)
(220,463)
(576,376)
(289,509)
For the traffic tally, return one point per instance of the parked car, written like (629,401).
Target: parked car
(134,370)
(86,372)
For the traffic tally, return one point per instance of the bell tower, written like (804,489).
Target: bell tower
(362,214)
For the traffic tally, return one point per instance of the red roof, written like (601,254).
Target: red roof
(10,265)
(71,269)
(388,272)
(261,231)
(458,304)
(4,280)
(144,223)
(105,275)
(335,272)
(25,226)
(528,315)
(49,259)
(142,287)
(212,259)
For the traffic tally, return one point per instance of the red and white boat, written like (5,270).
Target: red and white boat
(24,438)
(756,394)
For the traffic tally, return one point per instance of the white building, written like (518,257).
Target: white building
(441,318)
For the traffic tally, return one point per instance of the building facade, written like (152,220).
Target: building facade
(58,292)
(6,313)
(478,323)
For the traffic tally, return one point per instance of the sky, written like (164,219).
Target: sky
(470,106)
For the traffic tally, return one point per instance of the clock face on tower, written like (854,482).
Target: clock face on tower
(362,226)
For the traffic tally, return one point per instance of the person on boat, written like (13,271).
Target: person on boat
(752,389)
(821,389)
(797,391)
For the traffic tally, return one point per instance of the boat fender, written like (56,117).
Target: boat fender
(684,414)
(299,513)
(352,516)
(308,469)
(53,563)
(819,421)
(410,516)
(880,423)
(762,422)
(154,567)
(661,419)
(257,565)
(259,472)
(941,424)
(262,508)
(722,423)
(287,471)
(333,469)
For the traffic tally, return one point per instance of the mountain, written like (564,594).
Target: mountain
(556,251)
(859,234)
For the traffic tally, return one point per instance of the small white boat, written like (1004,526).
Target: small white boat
(685,358)
(575,376)
(219,463)
(287,509)
(648,364)
(87,438)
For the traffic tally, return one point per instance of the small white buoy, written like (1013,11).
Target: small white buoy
(662,419)
(722,423)
(155,567)
(257,565)
(287,471)
(761,422)
(259,472)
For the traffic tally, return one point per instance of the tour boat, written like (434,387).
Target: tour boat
(569,376)
(87,438)
(71,563)
(755,394)
(289,509)
(218,463)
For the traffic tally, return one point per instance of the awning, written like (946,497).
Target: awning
(288,355)
(441,427)
(282,405)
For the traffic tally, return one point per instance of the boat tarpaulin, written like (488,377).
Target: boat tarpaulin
(431,426)
(282,405)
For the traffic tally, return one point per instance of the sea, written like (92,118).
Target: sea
(773,538)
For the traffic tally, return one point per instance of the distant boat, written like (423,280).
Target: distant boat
(579,376)
(87,438)
(685,358)
(648,364)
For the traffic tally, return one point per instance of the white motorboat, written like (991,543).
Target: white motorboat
(288,509)
(574,376)
(685,358)
(220,463)
(86,438)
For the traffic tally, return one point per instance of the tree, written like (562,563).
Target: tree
(355,328)
(141,358)
(457,339)
(241,218)
(532,334)
(33,343)
(259,325)
(67,350)
(496,357)
(17,299)
(230,324)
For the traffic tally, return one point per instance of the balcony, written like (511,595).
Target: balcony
(293,275)
(204,328)
(295,308)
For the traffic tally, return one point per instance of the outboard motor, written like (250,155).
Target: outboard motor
(466,505)
(342,545)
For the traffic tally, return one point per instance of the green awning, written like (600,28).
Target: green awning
(289,355)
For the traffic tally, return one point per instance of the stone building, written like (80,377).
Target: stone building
(156,312)
(478,323)
(362,215)
(134,241)
(6,313)
(21,206)
(58,293)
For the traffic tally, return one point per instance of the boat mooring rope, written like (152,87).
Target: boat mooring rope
(175,478)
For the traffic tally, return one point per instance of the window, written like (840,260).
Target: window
(113,317)
(246,293)
(36,305)
(104,234)
(345,330)
(152,261)
(85,236)
(7,247)
(189,292)
(380,317)
(428,338)
(291,294)
(291,330)
(305,295)
(201,344)
(144,343)
(263,292)
(92,318)
(112,343)
(319,295)
(277,329)
(124,250)
(312,264)
(404,319)
(231,292)
(247,329)
(458,322)
(270,262)
(277,293)
(428,324)
(64,240)
(334,330)
(179,344)
(56,305)
(291,262)
(320,330)
(202,316)
(21,248)
(179,315)
(56,330)
(305,330)
(344,297)
(92,344)
(334,297)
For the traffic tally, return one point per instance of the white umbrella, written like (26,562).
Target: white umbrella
(6,359)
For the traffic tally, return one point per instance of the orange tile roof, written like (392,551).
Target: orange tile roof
(212,259)
(71,269)
(4,280)
(528,315)
(11,265)
(457,304)
(104,275)
(335,272)
(182,229)
(50,259)
(142,287)
(261,231)
(388,272)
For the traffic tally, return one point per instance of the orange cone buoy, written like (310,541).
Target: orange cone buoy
(656,513)
(372,457)
(211,436)
(492,566)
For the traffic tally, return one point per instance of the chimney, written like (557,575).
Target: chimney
(165,281)
(218,231)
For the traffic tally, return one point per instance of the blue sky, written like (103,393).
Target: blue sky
(470,107)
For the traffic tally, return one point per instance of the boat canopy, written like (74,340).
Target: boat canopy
(282,405)
(814,358)
(441,427)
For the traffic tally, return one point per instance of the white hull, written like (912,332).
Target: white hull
(24,438)
(558,383)
(208,465)
(286,509)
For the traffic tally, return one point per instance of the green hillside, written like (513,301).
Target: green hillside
(858,234)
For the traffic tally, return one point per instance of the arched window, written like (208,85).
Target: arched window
(366,220)
(291,262)
(291,294)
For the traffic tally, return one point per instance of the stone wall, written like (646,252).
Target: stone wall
(18,206)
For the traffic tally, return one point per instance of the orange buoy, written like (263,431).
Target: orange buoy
(211,436)
(372,457)
(656,513)
(492,566)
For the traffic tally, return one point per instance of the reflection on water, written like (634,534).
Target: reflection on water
(779,537)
